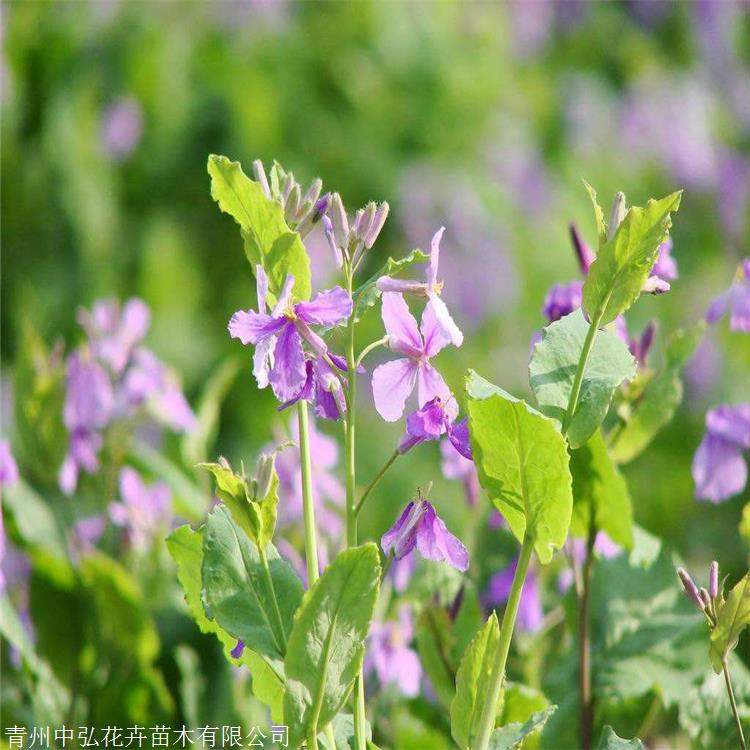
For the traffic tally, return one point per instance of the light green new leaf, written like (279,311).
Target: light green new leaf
(658,402)
(623,264)
(522,461)
(368,294)
(610,741)
(732,617)
(601,224)
(267,238)
(512,736)
(600,494)
(325,649)
(232,491)
(553,367)
(238,595)
(473,682)
(185,545)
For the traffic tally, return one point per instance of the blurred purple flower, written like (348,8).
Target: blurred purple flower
(735,301)
(401,572)
(8,466)
(734,193)
(85,534)
(562,299)
(328,492)
(143,509)
(122,127)
(530,614)
(719,468)
(576,549)
(430,288)
(279,357)
(389,657)
(456,466)
(393,382)
(419,526)
(703,371)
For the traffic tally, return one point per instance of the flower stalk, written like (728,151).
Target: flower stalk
(308,509)
(733,703)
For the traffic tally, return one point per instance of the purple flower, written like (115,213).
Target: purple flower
(122,126)
(419,526)
(735,301)
(434,419)
(586,256)
(393,382)
(86,532)
(113,332)
(530,613)
(279,356)
(719,468)
(143,509)
(88,407)
(238,650)
(456,466)
(430,288)
(401,572)
(389,656)
(8,466)
(562,299)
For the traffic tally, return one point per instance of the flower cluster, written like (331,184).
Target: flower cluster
(111,378)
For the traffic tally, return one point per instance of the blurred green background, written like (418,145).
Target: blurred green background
(481,117)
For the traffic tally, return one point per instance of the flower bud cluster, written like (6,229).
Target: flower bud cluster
(706,600)
(349,241)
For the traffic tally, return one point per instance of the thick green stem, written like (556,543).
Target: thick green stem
(375,481)
(575,391)
(278,624)
(584,646)
(312,739)
(308,509)
(489,711)
(733,702)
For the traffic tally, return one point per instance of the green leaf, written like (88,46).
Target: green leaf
(435,645)
(512,736)
(601,224)
(197,442)
(343,734)
(267,238)
(368,294)
(522,461)
(600,494)
(623,264)
(326,645)
(732,617)
(236,592)
(657,404)
(473,683)
(186,548)
(553,367)
(610,741)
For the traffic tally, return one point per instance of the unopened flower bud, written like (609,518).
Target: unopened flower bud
(584,253)
(264,475)
(320,207)
(314,191)
(690,588)
(260,176)
(224,463)
(292,205)
(335,249)
(287,186)
(705,599)
(618,214)
(340,222)
(713,580)
(365,221)
(377,224)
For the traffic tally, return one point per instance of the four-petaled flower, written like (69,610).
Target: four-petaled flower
(279,356)
(719,468)
(420,526)
(430,288)
(393,382)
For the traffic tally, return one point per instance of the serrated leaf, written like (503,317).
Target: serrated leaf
(522,461)
(326,645)
(267,238)
(600,494)
(512,736)
(623,264)
(553,367)
(661,397)
(237,594)
(601,224)
(185,545)
(368,294)
(610,741)
(732,617)
(473,683)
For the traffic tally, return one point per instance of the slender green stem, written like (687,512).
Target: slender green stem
(733,702)
(308,509)
(584,646)
(278,622)
(330,736)
(376,481)
(312,739)
(575,391)
(369,348)
(489,711)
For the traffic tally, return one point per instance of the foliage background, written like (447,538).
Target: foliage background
(480,117)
